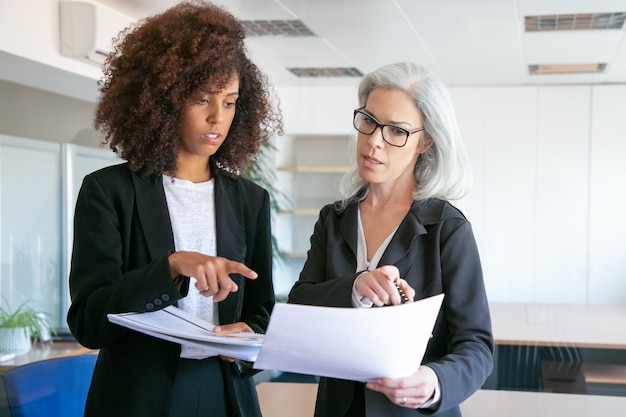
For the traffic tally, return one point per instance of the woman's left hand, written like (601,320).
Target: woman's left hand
(411,391)
(239,327)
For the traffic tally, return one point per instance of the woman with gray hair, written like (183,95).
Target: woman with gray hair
(396,237)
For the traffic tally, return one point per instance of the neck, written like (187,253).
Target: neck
(194,170)
(382,195)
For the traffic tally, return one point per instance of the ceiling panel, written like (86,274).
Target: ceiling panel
(537,7)
(472,42)
(478,42)
(571,46)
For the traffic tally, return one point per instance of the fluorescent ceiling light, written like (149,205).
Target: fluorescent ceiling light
(325,72)
(289,28)
(566,68)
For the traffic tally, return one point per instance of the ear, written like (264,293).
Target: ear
(425,143)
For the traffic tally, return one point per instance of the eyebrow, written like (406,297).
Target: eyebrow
(212,93)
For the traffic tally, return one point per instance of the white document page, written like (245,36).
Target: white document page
(358,344)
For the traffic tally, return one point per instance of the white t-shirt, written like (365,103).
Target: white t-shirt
(192,214)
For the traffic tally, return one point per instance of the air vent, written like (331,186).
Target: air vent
(587,21)
(290,28)
(326,72)
(566,69)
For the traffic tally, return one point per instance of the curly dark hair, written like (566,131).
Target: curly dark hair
(154,70)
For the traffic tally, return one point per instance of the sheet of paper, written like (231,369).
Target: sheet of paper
(357,344)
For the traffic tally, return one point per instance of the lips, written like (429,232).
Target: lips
(211,138)
(371,160)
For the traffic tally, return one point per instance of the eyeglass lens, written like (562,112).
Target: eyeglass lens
(393,135)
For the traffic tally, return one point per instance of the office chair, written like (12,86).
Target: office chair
(52,387)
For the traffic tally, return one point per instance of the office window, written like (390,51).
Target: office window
(30,225)
(39,182)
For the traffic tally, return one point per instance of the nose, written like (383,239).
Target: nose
(215,113)
(376,138)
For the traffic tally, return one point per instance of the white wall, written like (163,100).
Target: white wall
(607,196)
(30,51)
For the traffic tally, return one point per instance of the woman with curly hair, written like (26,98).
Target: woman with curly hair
(175,224)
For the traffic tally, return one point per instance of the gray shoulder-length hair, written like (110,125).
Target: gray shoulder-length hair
(443,171)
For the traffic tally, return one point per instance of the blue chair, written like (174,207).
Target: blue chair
(52,387)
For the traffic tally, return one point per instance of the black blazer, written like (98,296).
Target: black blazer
(435,251)
(122,240)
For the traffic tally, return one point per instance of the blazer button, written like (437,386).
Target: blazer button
(165,297)
(157,302)
(150,306)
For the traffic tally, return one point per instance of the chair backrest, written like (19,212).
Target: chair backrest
(53,387)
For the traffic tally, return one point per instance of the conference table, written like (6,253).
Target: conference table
(280,399)
(43,351)
(568,325)
(559,348)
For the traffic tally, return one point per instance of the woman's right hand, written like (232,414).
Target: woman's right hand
(212,273)
(378,286)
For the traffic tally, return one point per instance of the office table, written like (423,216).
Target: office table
(584,326)
(559,348)
(45,351)
(279,399)
(488,403)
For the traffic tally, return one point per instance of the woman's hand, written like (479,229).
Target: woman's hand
(239,327)
(411,391)
(210,272)
(379,286)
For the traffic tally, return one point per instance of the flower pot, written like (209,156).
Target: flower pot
(15,340)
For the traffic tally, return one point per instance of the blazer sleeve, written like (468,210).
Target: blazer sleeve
(328,273)
(461,350)
(111,269)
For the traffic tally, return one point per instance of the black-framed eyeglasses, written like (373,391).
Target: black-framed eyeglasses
(393,135)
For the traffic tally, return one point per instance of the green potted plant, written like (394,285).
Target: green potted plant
(20,326)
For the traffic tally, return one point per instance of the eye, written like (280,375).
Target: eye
(230,104)
(397,131)
(201,99)
(368,120)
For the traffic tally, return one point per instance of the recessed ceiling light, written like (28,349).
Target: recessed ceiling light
(566,68)
(325,72)
(581,21)
(289,28)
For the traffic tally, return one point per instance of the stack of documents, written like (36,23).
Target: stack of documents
(357,344)
(176,325)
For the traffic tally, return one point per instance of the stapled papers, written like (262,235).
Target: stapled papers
(176,325)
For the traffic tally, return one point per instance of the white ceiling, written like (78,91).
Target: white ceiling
(477,42)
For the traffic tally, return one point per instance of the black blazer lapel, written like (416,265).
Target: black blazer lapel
(231,243)
(349,226)
(397,253)
(153,214)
